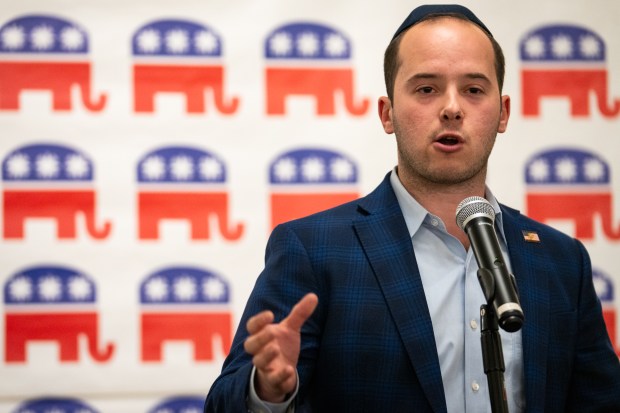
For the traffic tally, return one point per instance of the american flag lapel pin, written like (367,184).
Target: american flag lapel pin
(530,236)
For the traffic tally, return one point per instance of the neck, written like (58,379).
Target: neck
(443,199)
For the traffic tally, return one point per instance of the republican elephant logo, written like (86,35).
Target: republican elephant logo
(186,184)
(571,185)
(53,182)
(606,293)
(52,304)
(45,53)
(180,57)
(565,61)
(55,405)
(181,404)
(308,180)
(310,60)
(185,304)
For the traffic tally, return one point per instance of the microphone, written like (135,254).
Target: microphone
(476,217)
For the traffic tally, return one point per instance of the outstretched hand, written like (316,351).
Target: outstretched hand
(275,349)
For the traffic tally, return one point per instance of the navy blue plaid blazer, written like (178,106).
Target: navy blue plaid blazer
(369,346)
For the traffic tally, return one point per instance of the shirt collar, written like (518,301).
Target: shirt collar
(415,214)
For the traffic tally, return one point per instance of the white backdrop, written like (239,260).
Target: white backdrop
(65,155)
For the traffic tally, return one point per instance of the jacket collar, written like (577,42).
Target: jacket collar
(383,234)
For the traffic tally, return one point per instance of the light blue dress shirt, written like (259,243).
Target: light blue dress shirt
(454,296)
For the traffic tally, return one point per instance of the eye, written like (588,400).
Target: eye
(474,90)
(425,90)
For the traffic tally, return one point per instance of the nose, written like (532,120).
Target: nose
(452,109)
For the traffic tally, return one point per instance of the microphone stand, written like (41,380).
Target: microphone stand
(492,353)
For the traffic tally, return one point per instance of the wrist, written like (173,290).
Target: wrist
(265,393)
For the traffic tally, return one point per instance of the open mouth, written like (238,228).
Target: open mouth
(449,140)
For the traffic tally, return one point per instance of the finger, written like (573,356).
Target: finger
(301,311)
(263,358)
(254,343)
(282,380)
(259,321)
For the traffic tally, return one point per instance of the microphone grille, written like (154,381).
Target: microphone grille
(472,207)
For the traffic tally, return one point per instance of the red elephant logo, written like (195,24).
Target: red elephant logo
(52,304)
(45,53)
(571,185)
(185,304)
(309,180)
(307,59)
(605,290)
(49,181)
(187,184)
(565,61)
(178,56)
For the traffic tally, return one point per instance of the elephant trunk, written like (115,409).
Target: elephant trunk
(94,105)
(97,233)
(97,354)
(606,110)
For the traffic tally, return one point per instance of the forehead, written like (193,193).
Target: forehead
(444,43)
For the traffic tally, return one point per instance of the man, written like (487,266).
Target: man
(376,302)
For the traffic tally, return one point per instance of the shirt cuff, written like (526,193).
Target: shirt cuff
(256,405)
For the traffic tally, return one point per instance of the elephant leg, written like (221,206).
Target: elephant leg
(148,216)
(143,90)
(61,96)
(276,93)
(199,224)
(14,339)
(152,340)
(195,97)
(65,225)
(68,348)
(325,102)
(9,96)
(14,216)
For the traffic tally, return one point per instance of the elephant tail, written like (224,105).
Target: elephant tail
(100,355)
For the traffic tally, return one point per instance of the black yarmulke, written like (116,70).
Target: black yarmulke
(421,12)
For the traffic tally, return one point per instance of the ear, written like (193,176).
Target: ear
(504,114)
(385,114)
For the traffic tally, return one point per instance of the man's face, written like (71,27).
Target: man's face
(446,109)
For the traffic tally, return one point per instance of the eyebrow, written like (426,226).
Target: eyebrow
(473,76)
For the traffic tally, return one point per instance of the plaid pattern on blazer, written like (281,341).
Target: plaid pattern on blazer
(369,346)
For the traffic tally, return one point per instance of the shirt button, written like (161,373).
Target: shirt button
(434,222)
(475,386)
(473,324)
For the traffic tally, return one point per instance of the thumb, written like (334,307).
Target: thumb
(301,312)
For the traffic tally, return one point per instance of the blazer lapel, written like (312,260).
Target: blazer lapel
(527,259)
(384,237)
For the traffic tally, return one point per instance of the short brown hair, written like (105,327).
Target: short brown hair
(391,61)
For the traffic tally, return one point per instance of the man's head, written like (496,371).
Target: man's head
(392,59)
(446,106)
